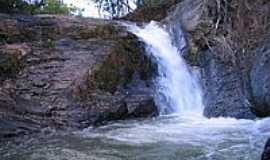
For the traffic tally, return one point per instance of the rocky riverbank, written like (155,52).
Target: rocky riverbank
(66,72)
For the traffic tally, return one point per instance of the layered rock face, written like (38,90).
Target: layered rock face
(260,80)
(66,72)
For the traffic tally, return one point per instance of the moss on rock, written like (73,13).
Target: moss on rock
(9,65)
(119,66)
(11,57)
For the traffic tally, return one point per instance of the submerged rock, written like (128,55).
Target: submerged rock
(66,72)
(260,81)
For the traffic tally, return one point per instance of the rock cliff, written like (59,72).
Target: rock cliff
(69,73)
(223,38)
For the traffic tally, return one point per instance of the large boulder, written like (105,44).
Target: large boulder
(11,59)
(260,81)
(133,101)
(66,72)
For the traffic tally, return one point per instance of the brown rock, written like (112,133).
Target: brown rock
(75,73)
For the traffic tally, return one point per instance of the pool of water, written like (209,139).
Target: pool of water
(164,138)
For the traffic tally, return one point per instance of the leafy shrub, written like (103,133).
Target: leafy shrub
(15,6)
(36,7)
(54,7)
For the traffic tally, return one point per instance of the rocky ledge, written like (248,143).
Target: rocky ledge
(66,72)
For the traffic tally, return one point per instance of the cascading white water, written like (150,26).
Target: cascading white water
(177,88)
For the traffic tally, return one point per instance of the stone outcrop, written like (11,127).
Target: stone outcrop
(66,72)
(155,10)
(260,80)
(225,91)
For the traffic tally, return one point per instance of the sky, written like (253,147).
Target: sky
(90,9)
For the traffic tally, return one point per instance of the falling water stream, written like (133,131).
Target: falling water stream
(177,89)
(180,133)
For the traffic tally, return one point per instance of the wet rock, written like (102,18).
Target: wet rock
(266,152)
(137,104)
(189,23)
(11,59)
(188,13)
(135,100)
(260,81)
(224,89)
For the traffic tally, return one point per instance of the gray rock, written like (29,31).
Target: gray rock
(224,71)
(136,104)
(260,81)
(224,89)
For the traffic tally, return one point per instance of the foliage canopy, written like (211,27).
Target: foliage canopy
(36,7)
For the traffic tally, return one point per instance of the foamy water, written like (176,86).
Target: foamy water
(171,137)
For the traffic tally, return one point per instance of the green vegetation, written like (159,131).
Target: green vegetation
(9,65)
(55,7)
(15,6)
(37,7)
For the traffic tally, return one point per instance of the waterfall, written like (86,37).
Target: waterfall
(176,86)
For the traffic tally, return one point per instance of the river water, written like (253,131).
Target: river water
(180,133)
(171,137)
